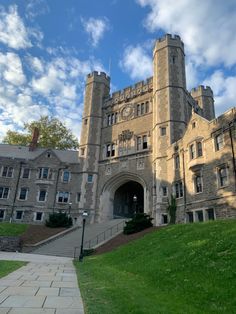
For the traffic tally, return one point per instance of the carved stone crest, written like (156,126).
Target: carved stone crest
(126,135)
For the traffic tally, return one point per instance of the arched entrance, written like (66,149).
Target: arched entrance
(128,200)
(111,196)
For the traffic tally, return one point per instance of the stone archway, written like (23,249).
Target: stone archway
(107,197)
(128,200)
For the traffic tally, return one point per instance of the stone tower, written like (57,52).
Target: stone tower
(96,90)
(169,104)
(204,98)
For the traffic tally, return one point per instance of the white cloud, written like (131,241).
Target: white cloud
(224,90)
(95,28)
(136,62)
(35,8)
(13,32)
(11,68)
(198,23)
(36,64)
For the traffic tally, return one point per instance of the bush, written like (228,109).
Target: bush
(172,209)
(59,220)
(138,223)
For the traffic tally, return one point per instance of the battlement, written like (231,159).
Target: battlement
(201,91)
(130,92)
(95,75)
(169,40)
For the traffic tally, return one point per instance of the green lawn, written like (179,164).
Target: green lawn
(179,269)
(7,267)
(12,229)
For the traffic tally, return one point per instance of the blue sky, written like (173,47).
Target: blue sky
(47,47)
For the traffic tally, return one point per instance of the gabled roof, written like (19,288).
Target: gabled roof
(22,152)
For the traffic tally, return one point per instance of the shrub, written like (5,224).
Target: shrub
(172,209)
(139,222)
(59,220)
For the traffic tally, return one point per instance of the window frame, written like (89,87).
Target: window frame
(26,193)
(179,189)
(23,173)
(45,196)
(192,151)
(41,173)
(199,149)
(139,143)
(63,176)
(163,131)
(145,142)
(219,144)
(4,193)
(5,174)
(196,186)
(62,195)
(220,178)
(90,178)
(166,190)
(4,214)
(22,214)
(35,216)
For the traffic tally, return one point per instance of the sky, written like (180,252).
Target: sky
(47,48)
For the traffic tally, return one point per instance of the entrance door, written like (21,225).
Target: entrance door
(128,200)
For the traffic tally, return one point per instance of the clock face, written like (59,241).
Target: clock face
(126,111)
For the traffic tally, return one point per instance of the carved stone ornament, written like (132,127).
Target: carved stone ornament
(126,135)
(126,112)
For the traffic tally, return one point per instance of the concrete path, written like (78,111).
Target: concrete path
(65,245)
(46,285)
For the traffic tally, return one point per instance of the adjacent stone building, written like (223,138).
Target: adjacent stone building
(138,147)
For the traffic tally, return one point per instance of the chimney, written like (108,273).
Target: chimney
(34,142)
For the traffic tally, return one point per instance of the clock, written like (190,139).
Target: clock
(126,111)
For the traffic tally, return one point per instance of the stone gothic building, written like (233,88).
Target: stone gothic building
(138,147)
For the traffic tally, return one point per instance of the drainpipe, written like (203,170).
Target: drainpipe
(233,154)
(184,181)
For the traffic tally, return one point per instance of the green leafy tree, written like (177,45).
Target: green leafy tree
(52,133)
(172,209)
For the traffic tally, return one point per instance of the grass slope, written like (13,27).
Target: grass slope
(179,269)
(12,229)
(7,267)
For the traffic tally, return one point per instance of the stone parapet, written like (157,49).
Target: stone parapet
(10,243)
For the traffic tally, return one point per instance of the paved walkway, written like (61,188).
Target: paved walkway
(46,285)
(65,245)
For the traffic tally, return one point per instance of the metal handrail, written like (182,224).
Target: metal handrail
(102,235)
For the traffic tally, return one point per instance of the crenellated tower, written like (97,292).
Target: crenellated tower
(205,100)
(169,103)
(96,90)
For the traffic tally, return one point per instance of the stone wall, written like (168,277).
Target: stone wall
(10,243)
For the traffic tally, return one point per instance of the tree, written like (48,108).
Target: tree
(172,209)
(52,134)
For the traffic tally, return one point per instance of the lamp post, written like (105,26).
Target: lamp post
(85,215)
(135,203)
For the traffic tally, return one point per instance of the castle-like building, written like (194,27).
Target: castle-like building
(138,147)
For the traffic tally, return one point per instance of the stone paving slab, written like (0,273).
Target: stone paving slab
(23,301)
(46,285)
(31,311)
(36,283)
(69,292)
(63,302)
(20,291)
(48,291)
(62,311)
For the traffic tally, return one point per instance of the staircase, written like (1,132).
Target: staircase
(95,235)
